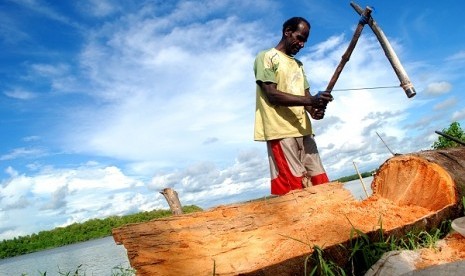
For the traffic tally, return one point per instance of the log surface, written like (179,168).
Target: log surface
(274,236)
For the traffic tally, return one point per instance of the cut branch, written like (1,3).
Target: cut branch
(172,198)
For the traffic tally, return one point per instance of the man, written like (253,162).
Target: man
(281,119)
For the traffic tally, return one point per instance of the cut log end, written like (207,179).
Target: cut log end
(411,180)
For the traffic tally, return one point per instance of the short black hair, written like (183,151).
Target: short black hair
(293,23)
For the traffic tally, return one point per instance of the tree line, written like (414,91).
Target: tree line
(78,232)
(355,176)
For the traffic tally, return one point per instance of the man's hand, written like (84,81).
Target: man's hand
(317,113)
(319,103)
(321,99)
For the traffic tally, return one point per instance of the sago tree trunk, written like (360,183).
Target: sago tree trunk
(275,236)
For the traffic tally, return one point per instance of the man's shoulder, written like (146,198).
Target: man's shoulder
(266,52)
(299,62)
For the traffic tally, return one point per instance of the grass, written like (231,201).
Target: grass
(363,252)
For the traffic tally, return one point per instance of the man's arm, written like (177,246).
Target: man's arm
(277,97)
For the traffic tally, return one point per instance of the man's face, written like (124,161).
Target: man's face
(296,40)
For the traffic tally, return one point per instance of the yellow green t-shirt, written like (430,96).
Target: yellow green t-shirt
(273,121)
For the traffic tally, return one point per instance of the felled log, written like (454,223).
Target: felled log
(274,236)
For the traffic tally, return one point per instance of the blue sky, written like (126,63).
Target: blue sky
(105,103)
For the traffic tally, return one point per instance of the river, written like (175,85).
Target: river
(96,257)
(360,189)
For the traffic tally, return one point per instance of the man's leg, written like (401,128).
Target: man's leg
(312,161)
(285,166)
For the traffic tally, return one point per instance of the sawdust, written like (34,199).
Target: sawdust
(450,249)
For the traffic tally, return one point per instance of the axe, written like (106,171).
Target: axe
(365,18)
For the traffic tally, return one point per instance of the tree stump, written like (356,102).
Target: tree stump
(274,236)
(172,198)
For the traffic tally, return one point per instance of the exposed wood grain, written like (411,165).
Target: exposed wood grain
(274,236)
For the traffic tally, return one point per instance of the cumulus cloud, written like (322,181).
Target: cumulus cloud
(58,194)
(57,199)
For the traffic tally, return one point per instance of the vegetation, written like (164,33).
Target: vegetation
(363,252)
(78,232)
(455,131)
(354,176)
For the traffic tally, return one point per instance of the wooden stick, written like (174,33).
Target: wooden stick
(173,200)
(346,56)
(390,54)
(450,138)
(393,154)
(361,179)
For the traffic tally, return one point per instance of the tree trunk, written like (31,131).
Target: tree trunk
(274,236)
(172,198)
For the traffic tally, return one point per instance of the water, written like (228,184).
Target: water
(357,189)
(97,258)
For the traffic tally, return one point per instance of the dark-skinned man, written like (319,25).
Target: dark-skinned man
(283,102)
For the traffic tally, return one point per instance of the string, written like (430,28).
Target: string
(361,88)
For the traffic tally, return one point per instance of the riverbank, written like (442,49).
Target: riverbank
(78,232)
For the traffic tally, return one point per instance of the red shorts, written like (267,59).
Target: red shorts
(294,164)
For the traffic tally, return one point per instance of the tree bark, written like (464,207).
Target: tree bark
(275,236)
(172,198)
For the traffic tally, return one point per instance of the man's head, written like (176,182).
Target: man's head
(295,33)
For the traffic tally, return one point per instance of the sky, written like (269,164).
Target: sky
(105,103)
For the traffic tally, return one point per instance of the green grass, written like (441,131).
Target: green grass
(364,251)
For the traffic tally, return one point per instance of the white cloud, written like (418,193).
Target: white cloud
(20,94)
(457,56)
(458,115)
(446,104)
(22,153)
(438,88)
(60,195)
(99,8)
(202,85)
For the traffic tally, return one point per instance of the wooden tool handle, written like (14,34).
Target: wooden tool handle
(390,54)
